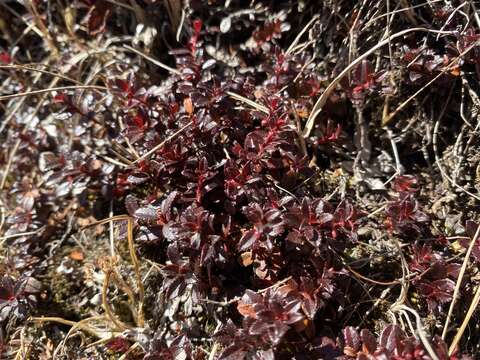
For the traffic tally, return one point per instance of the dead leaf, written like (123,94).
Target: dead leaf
(77,255)
(246,258)
(246,310)
(187,103)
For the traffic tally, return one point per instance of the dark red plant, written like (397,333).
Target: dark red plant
(403,214)
(5,58)
(17,297)
(392,344)
(253,240)
(271,314)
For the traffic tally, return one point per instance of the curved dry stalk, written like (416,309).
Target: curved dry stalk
(61,345)
(106,305)
(409,323)
(375,282)
(124,286)
(404,281)
(317,108)
(180,26)
(78,325)
(421,332)
(135,262)
(402,297)
(459,282)
(452,15)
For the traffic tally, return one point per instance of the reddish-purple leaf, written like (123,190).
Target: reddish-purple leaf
(352,339)
(391,339)
(146,213)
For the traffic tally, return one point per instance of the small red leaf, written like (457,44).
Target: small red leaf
(5,58)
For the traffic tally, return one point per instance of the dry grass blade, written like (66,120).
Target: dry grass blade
(162,144)
(233,95)
(135,262)
(45,33)
(386,120)
(30,68)
(79,325)
(389,13)
(18,142)
(459,281)
(249,102)
(300,34)
(473,306)
(153,60)
(317,108)
(12,236)
(60,88)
